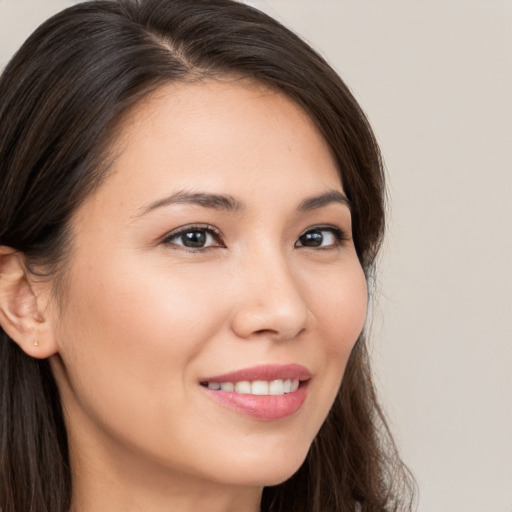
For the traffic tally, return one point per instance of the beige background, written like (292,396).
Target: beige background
(435,78)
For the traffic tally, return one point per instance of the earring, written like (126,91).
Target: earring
(36,343)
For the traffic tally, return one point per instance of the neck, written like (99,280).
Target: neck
(137,499)
(108,477)
(117,487)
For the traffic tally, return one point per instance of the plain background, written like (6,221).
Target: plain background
(435,78)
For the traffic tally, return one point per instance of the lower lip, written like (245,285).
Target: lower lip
(262,407)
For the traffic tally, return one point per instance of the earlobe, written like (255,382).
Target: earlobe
(21,313)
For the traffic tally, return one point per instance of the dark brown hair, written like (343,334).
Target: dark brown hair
(61,97)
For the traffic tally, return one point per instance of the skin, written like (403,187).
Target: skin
(142,318)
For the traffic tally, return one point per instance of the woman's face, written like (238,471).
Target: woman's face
(217,253)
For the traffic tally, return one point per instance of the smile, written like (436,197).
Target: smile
(267,392)
(257,387)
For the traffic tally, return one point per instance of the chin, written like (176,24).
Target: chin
(278,477)
(265,472)
(264,476)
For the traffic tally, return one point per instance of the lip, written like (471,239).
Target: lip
(264,372)
(262,407)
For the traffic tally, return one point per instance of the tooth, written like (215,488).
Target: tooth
(276,387)
(227,386)
(243,387)
(259,387)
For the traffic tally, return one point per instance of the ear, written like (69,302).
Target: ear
(22,312)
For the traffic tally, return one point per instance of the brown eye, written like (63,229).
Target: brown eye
(312,239)
(195,238)
(320,237)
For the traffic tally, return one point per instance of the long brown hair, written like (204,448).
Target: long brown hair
(61,97)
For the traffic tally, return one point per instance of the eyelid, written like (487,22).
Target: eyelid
(326,227)
(214,232)
(340,234)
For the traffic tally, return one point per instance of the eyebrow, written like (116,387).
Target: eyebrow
(230,203)
(332,196)
(206,200)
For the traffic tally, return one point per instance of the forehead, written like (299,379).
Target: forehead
(231,137)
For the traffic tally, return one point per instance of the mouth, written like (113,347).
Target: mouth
(257,387)
(268,392)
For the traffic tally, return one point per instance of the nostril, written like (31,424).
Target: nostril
(279,335)
(271,307)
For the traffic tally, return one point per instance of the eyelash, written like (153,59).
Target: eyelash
(205,228)
(339,235)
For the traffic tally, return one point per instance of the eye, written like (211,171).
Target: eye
(321,236)
(195,237)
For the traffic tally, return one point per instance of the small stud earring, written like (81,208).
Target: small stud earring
(36,343)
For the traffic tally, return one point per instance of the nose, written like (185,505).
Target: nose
(270,300)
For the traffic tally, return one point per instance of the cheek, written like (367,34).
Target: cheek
(132,342)
(156,314)
(340,309)
(338,306)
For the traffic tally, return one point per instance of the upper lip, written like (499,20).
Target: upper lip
(267,372)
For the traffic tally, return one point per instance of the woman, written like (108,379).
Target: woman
(192,205)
